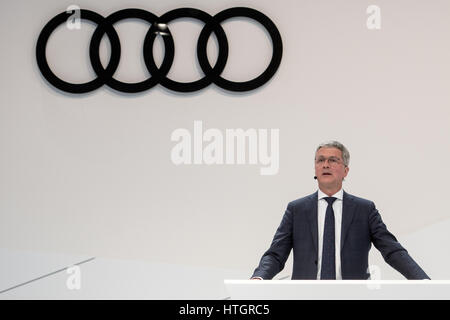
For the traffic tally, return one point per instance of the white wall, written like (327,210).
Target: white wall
(92,174)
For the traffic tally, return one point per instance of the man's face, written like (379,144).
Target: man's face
(329,167)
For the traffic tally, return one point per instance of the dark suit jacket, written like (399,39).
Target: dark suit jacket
(361,226)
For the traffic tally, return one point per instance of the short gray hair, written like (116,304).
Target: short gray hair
(337,145)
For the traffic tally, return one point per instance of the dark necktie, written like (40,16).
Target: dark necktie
(328,270)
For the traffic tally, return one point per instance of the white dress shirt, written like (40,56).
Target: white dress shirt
(321,211)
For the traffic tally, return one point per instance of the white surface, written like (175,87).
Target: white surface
(33,276)
(20,266)
(338,289)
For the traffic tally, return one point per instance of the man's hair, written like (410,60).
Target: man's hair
(337,145)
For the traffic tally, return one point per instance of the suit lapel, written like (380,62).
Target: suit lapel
(348,211)
(312,218)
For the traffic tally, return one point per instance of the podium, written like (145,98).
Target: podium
(338,289)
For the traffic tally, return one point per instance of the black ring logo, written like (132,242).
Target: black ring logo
(158,26)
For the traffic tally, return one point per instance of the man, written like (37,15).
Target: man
(331,231)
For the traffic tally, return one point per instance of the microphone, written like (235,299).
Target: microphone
(315,177)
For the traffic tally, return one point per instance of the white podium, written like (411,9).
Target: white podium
(338,289)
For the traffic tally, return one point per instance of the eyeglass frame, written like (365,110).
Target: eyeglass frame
(332,161)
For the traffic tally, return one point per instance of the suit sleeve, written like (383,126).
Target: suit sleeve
(391,250)
(273,260)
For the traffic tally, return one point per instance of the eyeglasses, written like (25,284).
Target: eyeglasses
(332,161)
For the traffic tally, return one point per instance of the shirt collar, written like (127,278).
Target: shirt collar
(339,195)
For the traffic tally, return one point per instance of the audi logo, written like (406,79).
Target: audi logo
(158,75)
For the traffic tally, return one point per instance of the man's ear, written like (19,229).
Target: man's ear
(347,169)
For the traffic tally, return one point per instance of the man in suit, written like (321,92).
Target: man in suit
(331,231)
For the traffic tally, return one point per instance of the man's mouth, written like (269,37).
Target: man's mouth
(326,174)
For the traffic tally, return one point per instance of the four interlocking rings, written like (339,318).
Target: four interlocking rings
(158,26)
